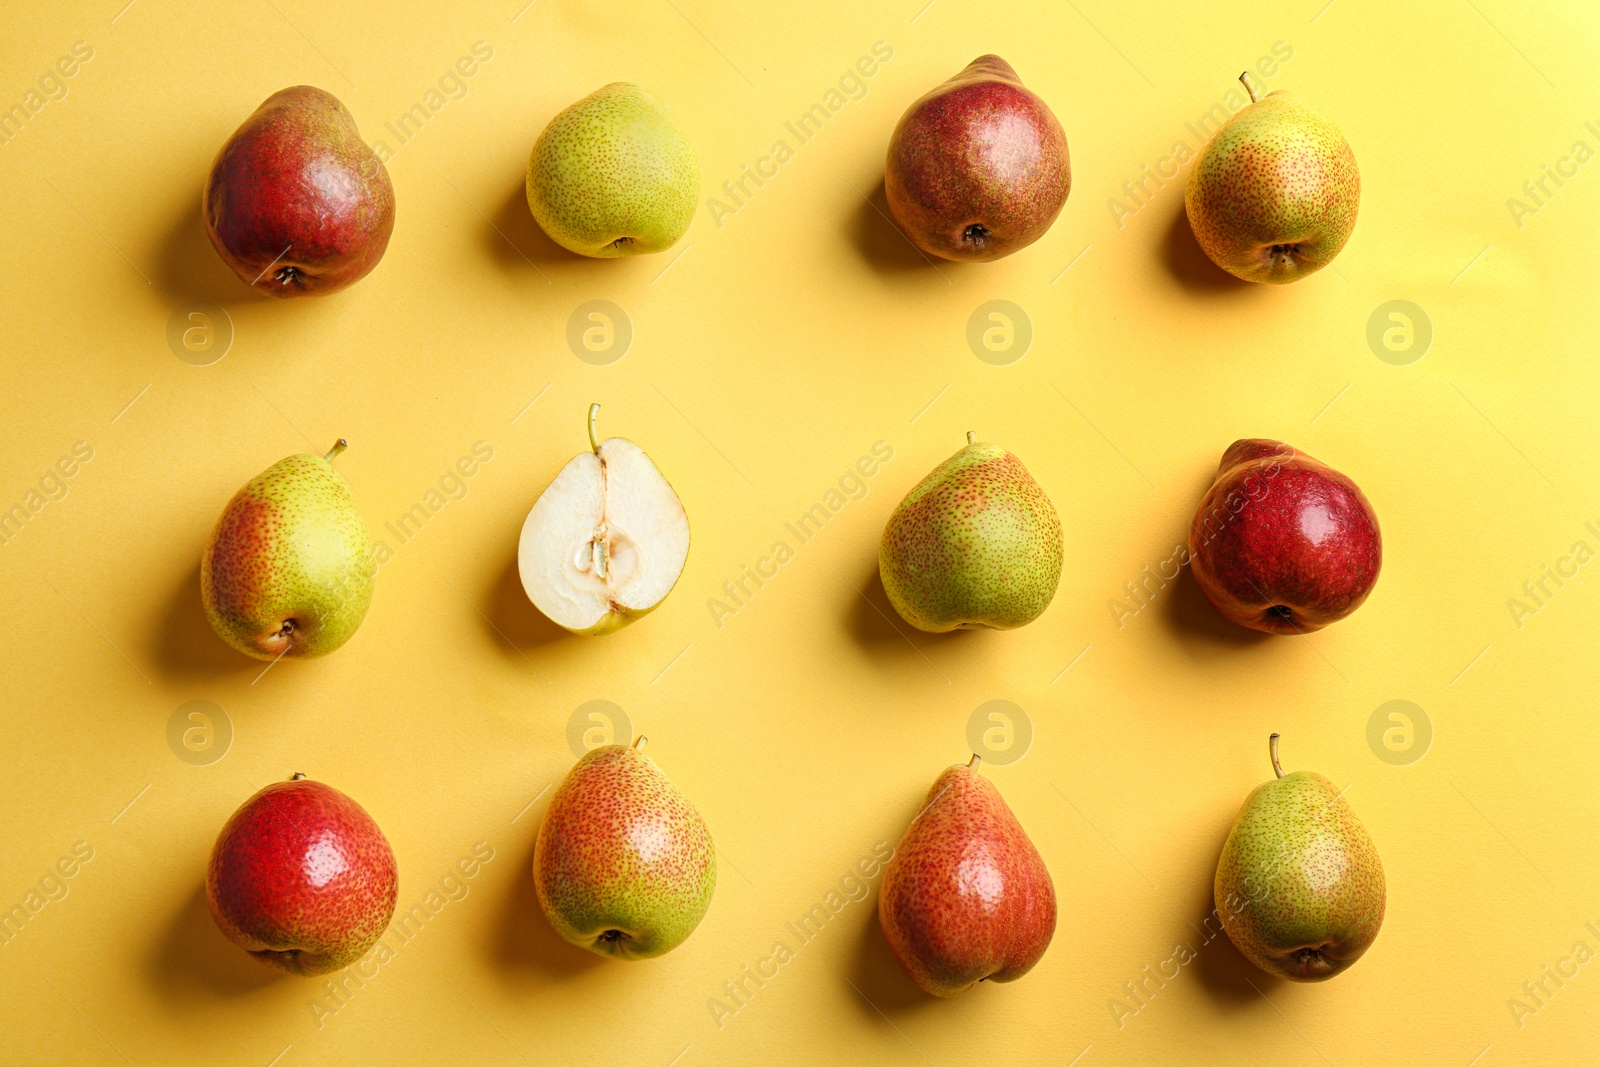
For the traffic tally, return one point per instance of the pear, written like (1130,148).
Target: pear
(289,570)
(302,878)
(623,865)
(1273,197)
(976,543)
(612,176)
(297,203)
(1299,886)
(966,898)
(606,541)
(978,167)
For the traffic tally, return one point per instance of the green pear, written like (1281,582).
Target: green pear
(612,176)
(976,543)
(1299,886)
(289,570)
(1274,195)
(623,865)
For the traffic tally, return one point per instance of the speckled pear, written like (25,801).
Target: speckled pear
(623,865)
(289,570)
(1299,887)
(976,543)
(1274,195)
(612,176)
(302,878)
(966,898)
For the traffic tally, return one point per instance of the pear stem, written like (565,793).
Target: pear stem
(594,442)
(1272,747)
(1250,87)
(973,765)
(297,776)
(638,742)
(972,437)
(338,446)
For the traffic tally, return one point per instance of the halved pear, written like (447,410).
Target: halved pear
(606,540)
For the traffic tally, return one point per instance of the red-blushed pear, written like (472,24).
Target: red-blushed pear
(297,203)
(966,898)
(1299,885)
(623,864)
(978,167)
(1274,195)
(289,570)
(302,878)
(1282,543)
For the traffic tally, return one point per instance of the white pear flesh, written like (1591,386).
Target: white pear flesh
(605,542)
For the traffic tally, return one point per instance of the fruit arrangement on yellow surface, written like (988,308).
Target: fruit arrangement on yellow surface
(977,169)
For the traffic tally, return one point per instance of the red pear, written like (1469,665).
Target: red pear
(297,204)
(977,168)
(966,897)
(302,878)
(1282,543)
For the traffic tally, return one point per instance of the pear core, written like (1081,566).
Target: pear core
(605,542)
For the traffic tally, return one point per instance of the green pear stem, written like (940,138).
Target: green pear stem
(972,437)
(1272,747)
(594,442)
(338,446)
(1250,87)
(638,742)
(297,776)
(973,765)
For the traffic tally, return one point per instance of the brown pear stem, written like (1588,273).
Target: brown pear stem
(638,742)
(973,765)
(972,437)
(1250,87)
(338,446)
(594,443)
(1272,747)
(297,776)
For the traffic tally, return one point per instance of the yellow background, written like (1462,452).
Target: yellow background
(766,360)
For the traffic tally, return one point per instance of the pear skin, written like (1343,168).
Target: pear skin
(966,898)
(289,569)
(297,204)
(978,168)
(623,865)
(612,176)
(1299,886)
(302,878)
(976,543)
(1274,195)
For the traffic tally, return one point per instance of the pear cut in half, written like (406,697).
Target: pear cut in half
(606,540)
